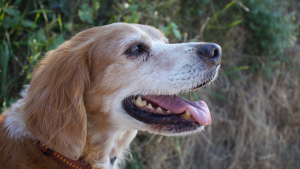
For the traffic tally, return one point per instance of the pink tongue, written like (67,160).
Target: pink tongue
(198,109)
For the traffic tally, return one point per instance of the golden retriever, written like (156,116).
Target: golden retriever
(90,96)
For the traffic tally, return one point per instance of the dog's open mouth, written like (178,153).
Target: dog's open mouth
(170,113)
(166,112)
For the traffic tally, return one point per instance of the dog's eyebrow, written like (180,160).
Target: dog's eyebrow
(141,37)
(145,41)
(153,33)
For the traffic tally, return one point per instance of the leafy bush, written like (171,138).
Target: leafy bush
(272,31)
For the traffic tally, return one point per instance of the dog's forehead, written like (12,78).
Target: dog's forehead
(135,32)
(151,31)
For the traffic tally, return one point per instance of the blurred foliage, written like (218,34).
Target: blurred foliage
(272,31)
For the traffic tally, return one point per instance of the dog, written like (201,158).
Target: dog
(90,96)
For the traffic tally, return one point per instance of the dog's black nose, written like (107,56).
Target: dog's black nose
(210,52)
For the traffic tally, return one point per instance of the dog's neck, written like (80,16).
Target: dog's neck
(102,146)
(106,139)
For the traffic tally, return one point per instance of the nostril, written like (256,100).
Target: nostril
(216,52)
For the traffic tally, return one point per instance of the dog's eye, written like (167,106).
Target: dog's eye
(135,50)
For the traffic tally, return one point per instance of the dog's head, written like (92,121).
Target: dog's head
(118,77)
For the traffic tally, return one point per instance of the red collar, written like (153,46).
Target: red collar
(68,163)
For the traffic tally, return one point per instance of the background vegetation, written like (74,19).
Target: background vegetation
(255,103)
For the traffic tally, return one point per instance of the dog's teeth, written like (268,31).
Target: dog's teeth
(168,111)
(138,101)
(188,112)
(159,109)
(143,103)
(150,106)
(187,115)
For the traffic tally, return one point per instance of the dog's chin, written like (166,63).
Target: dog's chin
(169,114)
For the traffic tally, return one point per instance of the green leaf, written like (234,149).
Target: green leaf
(86,14)
(177,34)
(173,25)
(133,18)
(235,23)
(41,36)
(12,11)
(68,26)
(96,5)
(175,30)
(27,23)
(59,40)
(133,8)
(165,30)
(9,22)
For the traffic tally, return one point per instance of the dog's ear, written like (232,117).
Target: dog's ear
(54,107)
